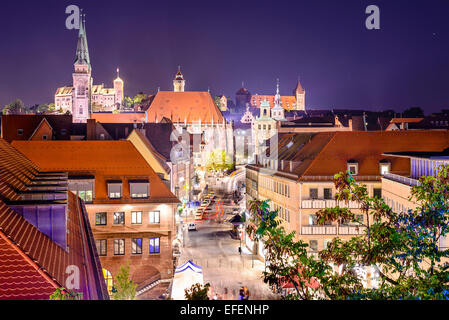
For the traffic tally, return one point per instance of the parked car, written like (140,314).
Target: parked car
(192,227)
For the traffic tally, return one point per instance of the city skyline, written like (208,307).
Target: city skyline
(341,64)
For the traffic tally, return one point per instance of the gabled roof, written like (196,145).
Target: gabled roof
(43,123)
(105,159)
(32,265)
(184,106)
(287,102)
(406,120)
(64,91)
(10,125)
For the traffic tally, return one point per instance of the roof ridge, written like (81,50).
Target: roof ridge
(322,149)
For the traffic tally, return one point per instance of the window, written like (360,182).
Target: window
(83,189)
(44,137)
(377,192)
(119,218)
(155,245)
(155,217)
(101,247)
(328,193)
(138,189)
(313,193)
(81,110)
(313,219)
(313,244)
(136,246)
(115,190)
(359,218)
(63,132)
(119,247)
(101,219)
(19,132)
(136,217)
(353,167)
(384,168)
(326,243)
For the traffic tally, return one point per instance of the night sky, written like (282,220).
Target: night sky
(219,44)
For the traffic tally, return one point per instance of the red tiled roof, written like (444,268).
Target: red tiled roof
(118,117)
(36,250)
(107,160)
(184,106)
(367,148)
(406,120)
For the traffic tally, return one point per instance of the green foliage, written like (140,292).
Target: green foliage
(402,247)
(125,289)
(197,292)
(140,98)
(15,107)
(128,102)
(61,294)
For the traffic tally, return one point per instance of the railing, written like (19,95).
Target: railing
(319,230)
(331,178)
(332,230)
(405,180)
(321,204)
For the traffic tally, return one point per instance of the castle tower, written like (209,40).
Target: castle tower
(277,113)
(82,78)
(119,90)
(300,95)
(179,83)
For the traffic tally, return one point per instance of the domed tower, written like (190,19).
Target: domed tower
(118,88)
(179,83)
(277,112)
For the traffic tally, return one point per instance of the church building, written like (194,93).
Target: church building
(83,98)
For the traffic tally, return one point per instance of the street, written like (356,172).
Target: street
(213,248)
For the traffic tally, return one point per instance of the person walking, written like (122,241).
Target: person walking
(246,294)
(242,294)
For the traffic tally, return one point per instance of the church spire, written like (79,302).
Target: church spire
(82,50)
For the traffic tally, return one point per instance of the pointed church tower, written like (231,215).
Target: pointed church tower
(277,113)
(118,88)
(82,77)
(179,83)
(300,95)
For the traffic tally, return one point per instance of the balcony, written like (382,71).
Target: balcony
(332,230)
(401,179)
(321,204)
(312,230)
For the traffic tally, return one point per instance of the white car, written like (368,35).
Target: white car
(192,227)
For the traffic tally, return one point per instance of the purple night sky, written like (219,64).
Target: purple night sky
(219,44)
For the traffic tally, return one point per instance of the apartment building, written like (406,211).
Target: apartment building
(46,240)
(397,186)
(300,181)
(130,209)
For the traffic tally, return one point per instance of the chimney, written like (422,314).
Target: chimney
(91,130)
(350,124)
(291,166)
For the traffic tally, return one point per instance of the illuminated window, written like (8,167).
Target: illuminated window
(101,247)
(136,217)
(115,190)
(119,247)
(136,246)
(384,166)
(313,219)
(83,189)
(155,217)
(109,280)
(139,190)
(119,218)
(101,219)
(155,245)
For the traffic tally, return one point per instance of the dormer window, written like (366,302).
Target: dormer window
(139,189)
(353,167)
(115,189)
(384,167)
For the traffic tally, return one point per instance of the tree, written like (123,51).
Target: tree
(128,102)
(413,112)
(140,98)
(42,108)
(61,294)
(14,107)
(217,101)
(402,247)
(197,292)
(124,287)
